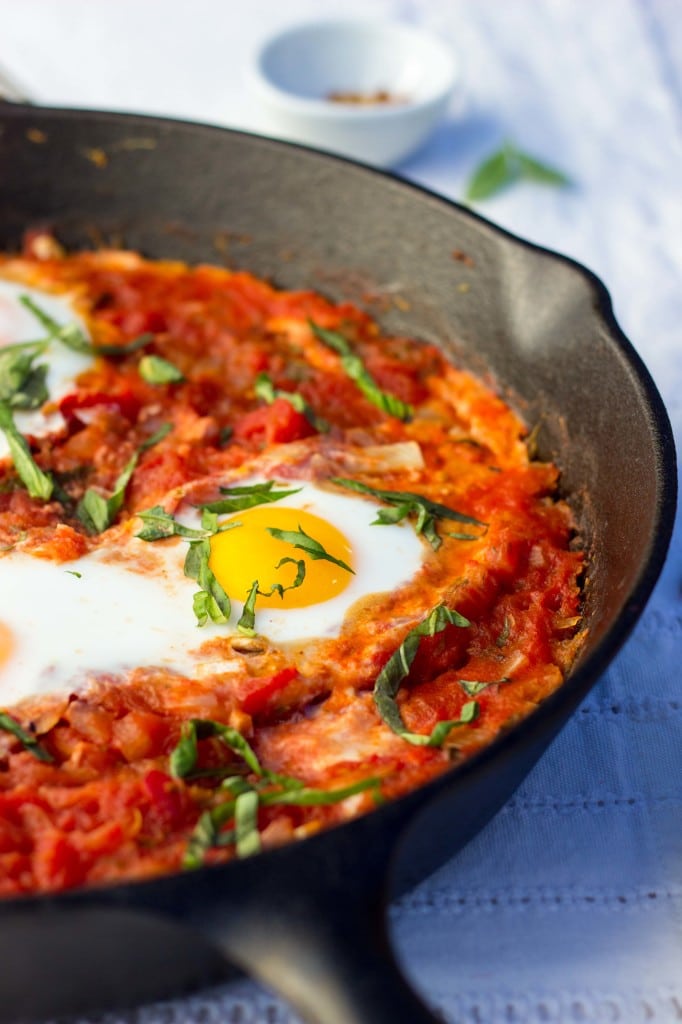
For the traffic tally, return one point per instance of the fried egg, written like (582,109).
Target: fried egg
(128,603)
(17,326)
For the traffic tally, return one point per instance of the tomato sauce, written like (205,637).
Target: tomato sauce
(96,794)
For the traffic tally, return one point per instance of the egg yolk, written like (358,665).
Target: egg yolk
(6,643)
(249,552)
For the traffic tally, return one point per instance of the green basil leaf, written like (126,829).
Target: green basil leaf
(300,539)
(247,620)
(156,370)
(239,498)
(159,524)
(22,385)
(98,513)
(472,687)
(355,369)
(507,166)
(183,757)
(495,173)
(503,637)
(29,742)
(302,796)
(264,389)
(535,170)
(397,668)
(126,349)
(71,335)
(218,606)
(206,729)
(158,435)
(407,504)
(247,836)
(37,483)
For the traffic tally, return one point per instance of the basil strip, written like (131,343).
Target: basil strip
(158,435)
(472,687)
(247,836)
(159,524)
(37,483)
(73,337)
(29,742)
(156,370)
(307,797)
(397,668)
(184,756)
(355,369)
(507,166)
(207,833)
(211,601)
(239,498)
(264,389)
(300,539)
(98,513)
(22,385)
(247,621)
(408,504)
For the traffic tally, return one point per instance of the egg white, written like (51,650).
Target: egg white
(128,604)
(18,324)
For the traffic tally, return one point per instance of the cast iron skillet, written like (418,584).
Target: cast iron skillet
(308,919)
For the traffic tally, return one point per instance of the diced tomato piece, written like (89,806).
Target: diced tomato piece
(125,401)
(263,689)
(166,799)
(278,423)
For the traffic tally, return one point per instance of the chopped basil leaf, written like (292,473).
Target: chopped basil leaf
(247,836)
(354,368)
(159,524)
(472,687)
(126,348)
(239,498)
(98,513)
(29,742)
(158,435)
(184,756)
(37,483)
(22,385)
(73,337)
(247,622)
(300,539)
(224,435)
(407,504)
(242,810)
(264,389)
(211,602)
(156,370)
(507,166)
(397,668)
(302,796)
(72,572)
(501,640)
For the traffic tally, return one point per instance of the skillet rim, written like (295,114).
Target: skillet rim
(549,716)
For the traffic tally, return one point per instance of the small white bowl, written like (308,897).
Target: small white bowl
(296,71)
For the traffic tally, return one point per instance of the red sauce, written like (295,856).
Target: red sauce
(106,805)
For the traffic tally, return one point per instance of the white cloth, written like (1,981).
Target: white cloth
(568,907)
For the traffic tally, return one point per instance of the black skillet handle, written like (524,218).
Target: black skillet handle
(327,954)
(312,926)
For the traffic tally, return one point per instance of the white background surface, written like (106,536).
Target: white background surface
(568,907)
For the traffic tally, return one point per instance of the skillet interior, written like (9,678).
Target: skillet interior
(537,325)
